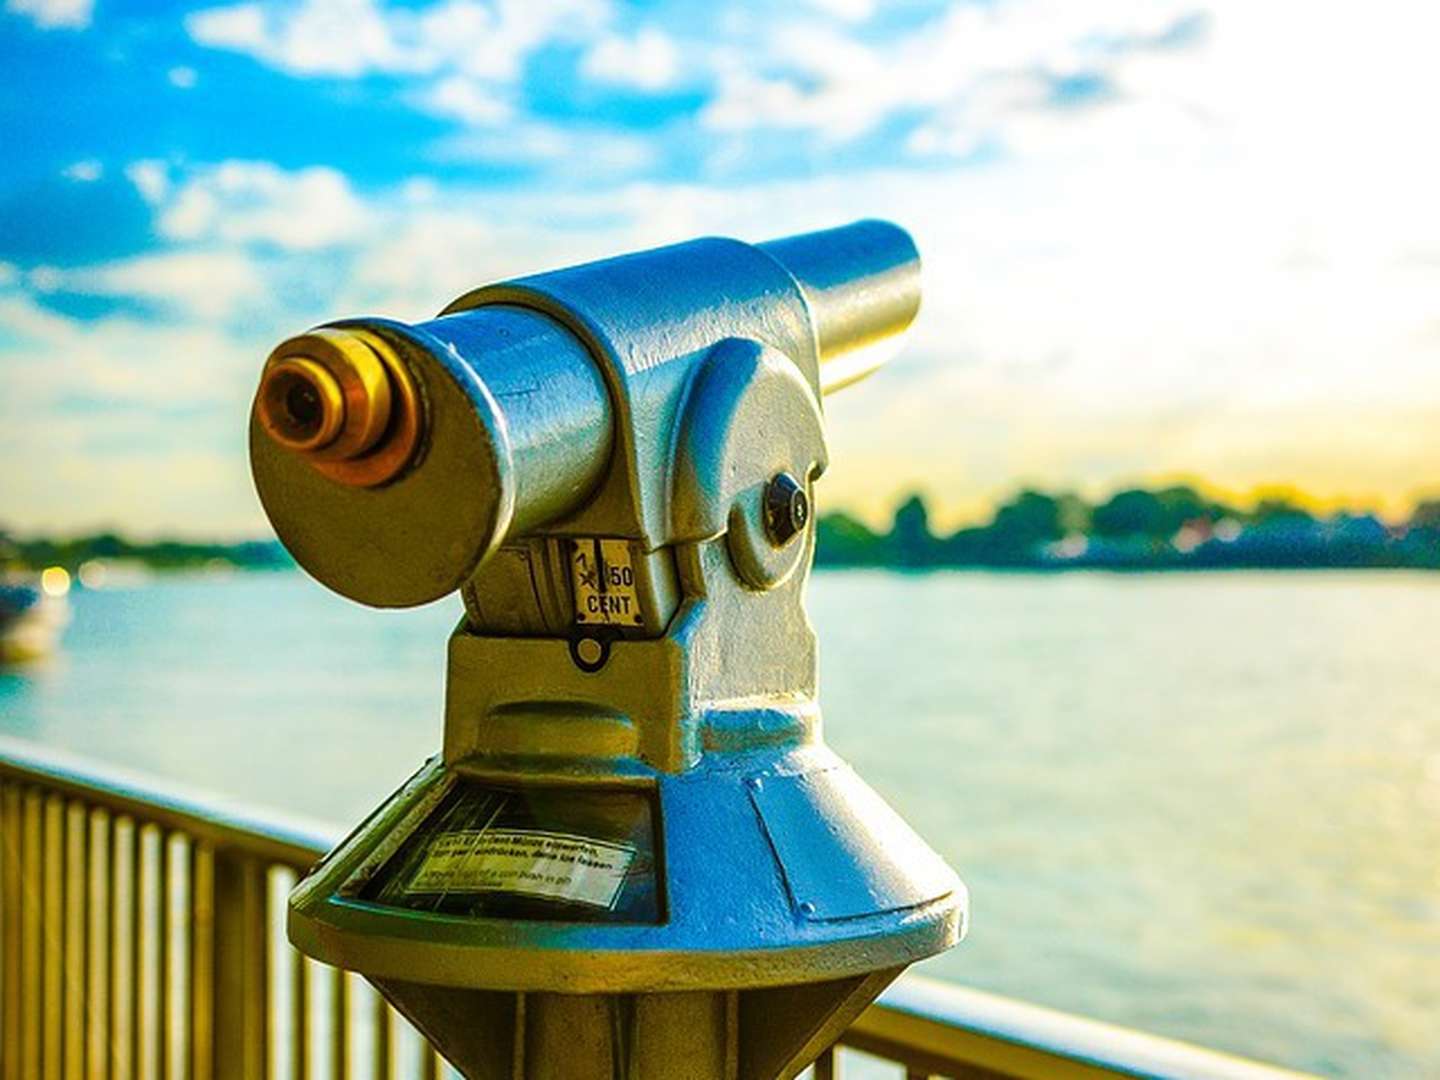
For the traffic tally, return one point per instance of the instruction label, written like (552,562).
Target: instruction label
(604,580)
(559,866)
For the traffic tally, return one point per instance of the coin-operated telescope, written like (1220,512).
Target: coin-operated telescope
(635,857)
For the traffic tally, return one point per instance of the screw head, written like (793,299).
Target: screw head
(787,509)
(590,653)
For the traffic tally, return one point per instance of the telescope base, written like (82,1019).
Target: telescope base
(770,1034)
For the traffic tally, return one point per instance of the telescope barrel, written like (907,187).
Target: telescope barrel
(862,284)
(558,418)
(394,458)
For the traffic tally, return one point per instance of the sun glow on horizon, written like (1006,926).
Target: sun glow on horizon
(1161,239)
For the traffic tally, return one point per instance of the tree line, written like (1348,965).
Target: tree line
(1168,528)
(35,553)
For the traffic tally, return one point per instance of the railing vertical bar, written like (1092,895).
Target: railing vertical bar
(429,1061)
(97,975)
(827,1065)
(241,967)
(165,966)
(384,1063)
(77,894)
(31,934)
(10,929)
(299,1016)
(53,962)
(340,1025)
(257,939)
(122,961)
(202,960)
(142,1017)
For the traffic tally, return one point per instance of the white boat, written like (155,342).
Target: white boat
(32,617)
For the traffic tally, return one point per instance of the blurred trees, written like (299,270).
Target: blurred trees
(1156,514)
(1136,528)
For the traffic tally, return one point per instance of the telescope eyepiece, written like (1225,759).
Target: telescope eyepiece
(342,399)
(301,404)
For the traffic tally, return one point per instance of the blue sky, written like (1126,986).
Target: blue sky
(1162,238)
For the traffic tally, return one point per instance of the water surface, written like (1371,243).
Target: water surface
(1203,805)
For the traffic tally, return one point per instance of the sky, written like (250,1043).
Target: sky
(1162,239)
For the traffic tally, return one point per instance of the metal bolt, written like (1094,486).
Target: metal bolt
(787,509)
(591,652)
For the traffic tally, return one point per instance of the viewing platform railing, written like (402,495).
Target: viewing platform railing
(141,938)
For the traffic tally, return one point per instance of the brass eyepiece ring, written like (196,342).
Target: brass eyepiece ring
(301,404)
(343,399)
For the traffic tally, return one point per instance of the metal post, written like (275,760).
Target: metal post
(240,975)
(635,856)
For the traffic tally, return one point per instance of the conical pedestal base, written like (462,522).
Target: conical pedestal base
(770,1034)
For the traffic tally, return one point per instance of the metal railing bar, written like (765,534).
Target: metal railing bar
(255,992)
(947,1029)
(339,1025)
(10,928)
(383,1058)
(97,975)
(166,1005)
(221,823)
(299,1016)
(141,985)
(53,960)
(77,894)
(202,960)
(31,929)
(121,973)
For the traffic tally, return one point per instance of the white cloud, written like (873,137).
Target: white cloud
(45,279)
(605,153)
(466,100)
(492,41)
(818,78)
(125,423)
(151,178)
(183,78)
(469,54)
(205,285)
(253,201)
(349,38)
(54,14)
(84,172)
(649,60)
(317,37)
(849,10)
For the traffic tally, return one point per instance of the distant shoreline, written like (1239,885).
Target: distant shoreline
(1138,531)
(1114,571)
(80,560)
(1135,531)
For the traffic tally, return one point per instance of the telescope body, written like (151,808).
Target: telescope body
(549,394)
(635,855)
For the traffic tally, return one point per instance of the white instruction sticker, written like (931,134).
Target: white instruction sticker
(555,865)
(605,584)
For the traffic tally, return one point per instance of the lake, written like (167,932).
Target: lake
(1203,805)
